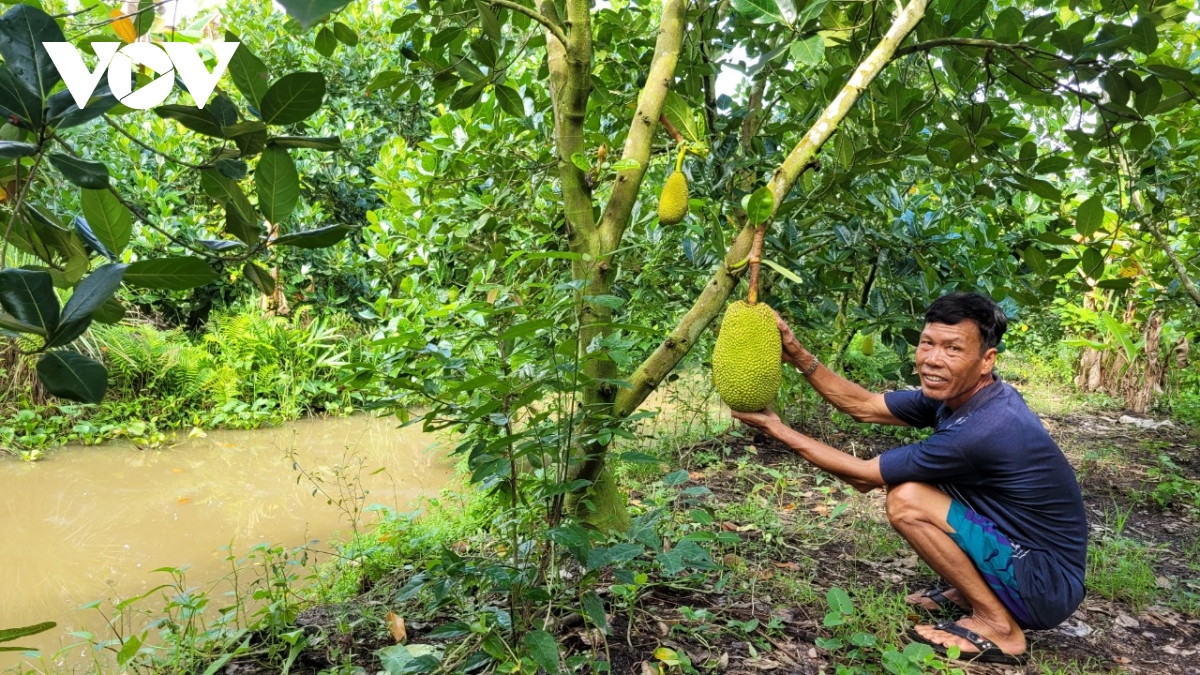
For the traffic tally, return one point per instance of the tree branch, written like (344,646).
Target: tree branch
(641,129)
(1180,269)
(929,45)
(717,290)
(537,16)
(805,152)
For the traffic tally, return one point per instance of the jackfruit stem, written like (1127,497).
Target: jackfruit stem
(755,264)
(679,161)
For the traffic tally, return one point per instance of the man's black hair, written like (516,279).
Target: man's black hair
(953,308)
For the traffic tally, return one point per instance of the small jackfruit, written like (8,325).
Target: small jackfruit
(867,346)
(673,202)
(746,364)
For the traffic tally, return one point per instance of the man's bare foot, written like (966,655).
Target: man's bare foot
(932,603)
(1010,640)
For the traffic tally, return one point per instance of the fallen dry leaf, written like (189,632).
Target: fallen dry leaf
(729,527)
(396,626)
(695,475)
(1122,660)
(787,566)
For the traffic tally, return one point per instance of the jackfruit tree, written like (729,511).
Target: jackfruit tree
(958,145)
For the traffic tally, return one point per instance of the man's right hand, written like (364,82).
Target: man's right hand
(793,351)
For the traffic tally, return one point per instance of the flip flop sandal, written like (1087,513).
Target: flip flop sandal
(945,606)
(986,651)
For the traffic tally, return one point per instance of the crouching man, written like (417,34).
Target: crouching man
(988,500)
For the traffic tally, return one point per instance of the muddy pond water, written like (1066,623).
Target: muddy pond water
(91,523)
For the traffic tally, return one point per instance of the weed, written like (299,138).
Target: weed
(859,649)
(1120,568)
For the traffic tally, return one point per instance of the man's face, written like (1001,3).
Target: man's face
(950,363)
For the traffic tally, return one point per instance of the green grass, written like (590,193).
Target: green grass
(1120,568)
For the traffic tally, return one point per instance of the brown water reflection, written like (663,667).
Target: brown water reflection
(90,523)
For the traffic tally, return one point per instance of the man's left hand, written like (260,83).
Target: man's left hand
(766,421)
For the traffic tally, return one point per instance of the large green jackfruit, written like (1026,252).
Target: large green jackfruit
(673,202)
(746,364)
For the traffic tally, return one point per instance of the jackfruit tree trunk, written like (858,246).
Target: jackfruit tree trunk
(570,67)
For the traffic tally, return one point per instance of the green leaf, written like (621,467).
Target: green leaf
(326,42)
(1093,263)
(233,169)
(1090,215)
(385,79)
(345,34)
(1145,35)
(249,74)
(63,113)
(17,100)
(15,149)
(109,219)
(129,650)
(260,277)
(839,601)
(510,101)
(677,477)
(1039,187)
(23,30)
(82,172)
(293,98)
(405,22)
(491,26)
(170,274)
(89,296)
(760,205)
(778,11)
(466,96)
(1169,72)
(326,143)
(810,51)
(1035,259)
(199,120)
(581,162)
(277,183)
(11,324)
(811,11)
(791,276)
(593,609)
(29,297)
(1121,333)
(627,164)
(680,115)
(110,312)
(318,238)
(236,131)
(543,649)
(227,193)
(248,232)
(72,376)
(144,20)
(10,634)
(308,12)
